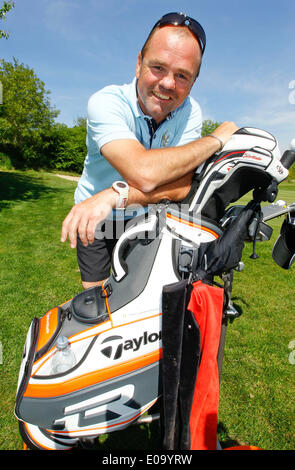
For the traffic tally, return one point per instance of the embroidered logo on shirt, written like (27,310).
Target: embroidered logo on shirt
(165,139)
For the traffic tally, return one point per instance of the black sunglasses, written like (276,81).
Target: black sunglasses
(180,19)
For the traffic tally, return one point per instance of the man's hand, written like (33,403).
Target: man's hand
(84,217)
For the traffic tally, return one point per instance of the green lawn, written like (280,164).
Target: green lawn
(38,272)
(257,389)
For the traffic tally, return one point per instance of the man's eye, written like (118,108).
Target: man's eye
(182,77)
(157,68)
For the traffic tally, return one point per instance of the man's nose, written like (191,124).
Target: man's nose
(168,81)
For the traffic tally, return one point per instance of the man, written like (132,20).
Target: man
(146,133)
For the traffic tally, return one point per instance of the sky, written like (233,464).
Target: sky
(77,47)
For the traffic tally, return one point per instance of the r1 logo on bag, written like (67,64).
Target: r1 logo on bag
(114,402)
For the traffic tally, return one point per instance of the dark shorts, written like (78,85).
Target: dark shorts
(95,260)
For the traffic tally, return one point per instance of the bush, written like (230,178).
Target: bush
(68,148)
(5,162)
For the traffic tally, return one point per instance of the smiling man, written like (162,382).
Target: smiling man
(166,70)
(144,140)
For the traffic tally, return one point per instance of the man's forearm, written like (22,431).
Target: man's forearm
(148,169)
(174,191)
(84,217)
(152,174)
(186,158)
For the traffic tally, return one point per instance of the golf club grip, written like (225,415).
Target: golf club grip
(288,158)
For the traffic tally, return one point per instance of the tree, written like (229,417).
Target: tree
(70,146)
(66,147)
(6,7)
(26,114)
(81,122)
(209,126)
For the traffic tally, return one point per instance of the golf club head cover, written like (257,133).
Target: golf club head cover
(284,248)
(225,252)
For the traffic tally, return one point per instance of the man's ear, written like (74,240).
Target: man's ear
(138,64)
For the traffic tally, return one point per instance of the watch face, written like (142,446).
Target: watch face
(122,189)
(120,184)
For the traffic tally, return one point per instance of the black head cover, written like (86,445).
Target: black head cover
(283,251)
(223,254)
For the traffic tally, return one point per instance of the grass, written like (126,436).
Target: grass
(38,272)
(256,404)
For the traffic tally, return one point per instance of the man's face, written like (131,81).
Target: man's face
(167,72)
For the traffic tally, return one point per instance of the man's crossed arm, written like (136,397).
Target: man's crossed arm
(153,175)
(84,217)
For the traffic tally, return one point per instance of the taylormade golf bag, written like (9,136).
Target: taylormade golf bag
(115,331)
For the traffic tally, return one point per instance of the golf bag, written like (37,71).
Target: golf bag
(115,331)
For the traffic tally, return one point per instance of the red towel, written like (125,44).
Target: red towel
(206,303)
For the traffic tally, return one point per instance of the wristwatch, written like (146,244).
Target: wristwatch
(122,188)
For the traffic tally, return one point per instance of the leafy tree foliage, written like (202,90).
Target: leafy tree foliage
(29,134)
(6,7)
(209,126)
(26,116)
(68,147)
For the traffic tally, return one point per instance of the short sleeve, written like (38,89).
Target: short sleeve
(108,118)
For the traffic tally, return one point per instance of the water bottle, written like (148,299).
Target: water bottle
(64,358)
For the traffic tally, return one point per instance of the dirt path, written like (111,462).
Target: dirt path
(71,178)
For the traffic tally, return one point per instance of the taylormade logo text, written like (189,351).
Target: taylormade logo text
(115,346)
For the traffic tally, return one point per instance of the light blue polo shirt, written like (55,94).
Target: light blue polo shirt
(114,113)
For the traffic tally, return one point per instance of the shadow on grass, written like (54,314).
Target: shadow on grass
(240,301)
(16,187)
(145,437)
(224,438)
(135,437)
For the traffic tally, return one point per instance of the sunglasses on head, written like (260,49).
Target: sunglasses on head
(180,19)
